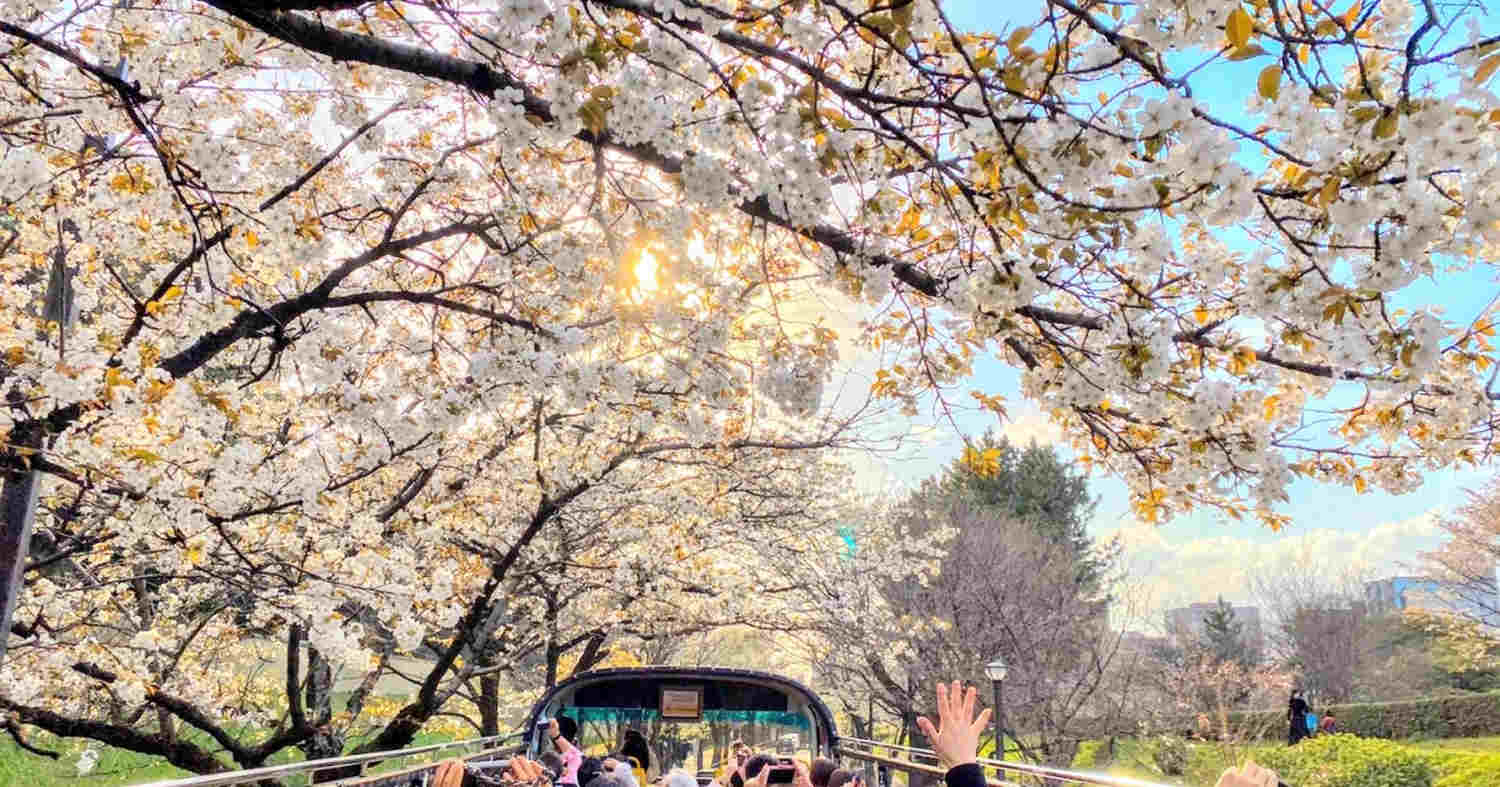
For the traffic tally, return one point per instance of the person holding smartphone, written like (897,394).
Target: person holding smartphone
(561,732)
(734,768)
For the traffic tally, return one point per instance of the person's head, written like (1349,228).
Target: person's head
(840,777)
(679,778)
(635,746)
(568,729)
(821,769)
(755,763)
(622,769)
(589,769)
(552,762)
(605,780)
(1296,694)
(740,751)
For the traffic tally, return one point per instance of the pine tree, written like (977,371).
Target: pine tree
(1036,486)
(1222,635)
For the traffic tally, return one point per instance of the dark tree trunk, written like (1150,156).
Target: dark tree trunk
(554,653)
(318,698)
(489,704)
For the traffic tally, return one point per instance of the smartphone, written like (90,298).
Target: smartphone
(781,774)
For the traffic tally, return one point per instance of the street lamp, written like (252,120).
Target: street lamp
(995,671)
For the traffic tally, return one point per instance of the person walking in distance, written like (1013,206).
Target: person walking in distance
(1296,716)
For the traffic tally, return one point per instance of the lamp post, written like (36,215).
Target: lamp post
(995,671)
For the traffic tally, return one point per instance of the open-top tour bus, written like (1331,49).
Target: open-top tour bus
(689,716)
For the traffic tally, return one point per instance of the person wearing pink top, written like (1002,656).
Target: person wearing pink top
(561,731)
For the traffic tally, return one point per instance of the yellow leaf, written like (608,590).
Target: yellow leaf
(1247,52)
(1018,37)
(157,391)
(1270,405)
(1201,315)
(251,239)
(902,15)
(143,455)
(172,293)
(1239,28)
(1269,82)
(15,356)
(1486,69)
(1359,484)
(1241,361)
(1330,191)
(1352,14)
(1385,126)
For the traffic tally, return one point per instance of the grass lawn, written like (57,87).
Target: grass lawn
(1487,745)
(118,767)
(1207,760)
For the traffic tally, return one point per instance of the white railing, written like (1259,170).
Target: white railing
(360,761)
(865,750)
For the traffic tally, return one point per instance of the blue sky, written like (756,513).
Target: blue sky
(1202,555)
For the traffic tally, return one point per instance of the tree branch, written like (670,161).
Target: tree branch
(183,754)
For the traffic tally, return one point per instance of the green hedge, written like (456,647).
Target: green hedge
(1467,716)
(1349,761)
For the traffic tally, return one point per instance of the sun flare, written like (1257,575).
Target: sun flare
(645,273)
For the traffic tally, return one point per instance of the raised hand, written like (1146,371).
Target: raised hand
(956,738)
(1248,775)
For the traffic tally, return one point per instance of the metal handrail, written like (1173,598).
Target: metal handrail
(1004,766)
(291,768)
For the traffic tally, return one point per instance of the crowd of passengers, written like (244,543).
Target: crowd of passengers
(954,739)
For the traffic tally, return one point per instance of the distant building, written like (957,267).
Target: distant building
(1390,595)
(1185,624)
(1136,643)
(1423,594)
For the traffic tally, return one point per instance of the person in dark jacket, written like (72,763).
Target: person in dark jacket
(635,747)
(955,740)
(1296,715)
(821,769)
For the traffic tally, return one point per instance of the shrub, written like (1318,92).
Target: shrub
(1468,770)
(1091,754)
(1169,754)
(1465,716)
(1349,761)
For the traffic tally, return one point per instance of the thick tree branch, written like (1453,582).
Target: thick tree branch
(183,754)
(130,91)
(486,80)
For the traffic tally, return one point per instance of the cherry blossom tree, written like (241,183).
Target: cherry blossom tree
(358,298)
(1468,562)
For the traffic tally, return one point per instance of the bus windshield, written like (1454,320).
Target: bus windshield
(693,745)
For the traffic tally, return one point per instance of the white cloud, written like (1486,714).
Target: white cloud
(1031,425)
(1166,573)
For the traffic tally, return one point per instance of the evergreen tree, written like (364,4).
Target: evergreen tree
(1223,635)
(1032,485)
